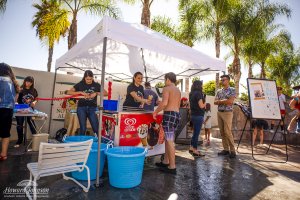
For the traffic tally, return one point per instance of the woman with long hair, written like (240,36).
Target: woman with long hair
(87,106)
(28,95)
(135,93)
(8,89)
(197,105)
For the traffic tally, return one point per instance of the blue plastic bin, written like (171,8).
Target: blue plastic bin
(111,105)
(20,107)
(92,159)
(125,166)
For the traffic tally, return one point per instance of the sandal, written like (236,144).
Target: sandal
(198,154)
(2,158)
(161,164)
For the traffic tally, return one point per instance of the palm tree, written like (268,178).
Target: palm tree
(284,67)
(3,5)
(268,45)
(98,7)
(165,26)
(243,19)
(51,23)
(248,52)
(179,33)
(210,16)
(146,14)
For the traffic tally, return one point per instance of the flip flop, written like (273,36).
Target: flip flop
(198,154)
(2,158)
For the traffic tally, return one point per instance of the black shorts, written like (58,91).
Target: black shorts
(5,122)
(260,124)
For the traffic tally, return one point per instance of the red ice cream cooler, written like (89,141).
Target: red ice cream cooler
(134,128)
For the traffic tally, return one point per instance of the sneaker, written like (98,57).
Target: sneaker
(17,145)
(232,155)
(223,153)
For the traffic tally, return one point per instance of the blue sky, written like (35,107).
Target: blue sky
(21,48)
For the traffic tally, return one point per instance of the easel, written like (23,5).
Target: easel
(262,93)
(251,134)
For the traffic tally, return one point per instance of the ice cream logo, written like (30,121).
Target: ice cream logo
(129,124)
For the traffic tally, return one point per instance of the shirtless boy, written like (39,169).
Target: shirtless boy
(170,105)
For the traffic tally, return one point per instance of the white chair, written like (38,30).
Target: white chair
(59,159)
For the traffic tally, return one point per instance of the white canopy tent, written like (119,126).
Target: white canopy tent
(120,49)
(124,57)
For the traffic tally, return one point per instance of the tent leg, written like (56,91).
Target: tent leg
(101,109)
(53,89)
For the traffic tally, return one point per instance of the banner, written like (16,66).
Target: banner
(142,130)
(60,107)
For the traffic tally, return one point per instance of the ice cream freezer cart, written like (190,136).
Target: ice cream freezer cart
(134,128)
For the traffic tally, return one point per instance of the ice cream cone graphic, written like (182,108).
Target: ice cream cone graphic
(143,132)
(144,141)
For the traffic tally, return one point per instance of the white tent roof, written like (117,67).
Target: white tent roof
(125,44)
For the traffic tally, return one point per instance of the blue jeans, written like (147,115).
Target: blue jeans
(20,123)
(87,112)
(197,124)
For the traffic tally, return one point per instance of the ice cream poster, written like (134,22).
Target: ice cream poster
(142,130)
(263,99)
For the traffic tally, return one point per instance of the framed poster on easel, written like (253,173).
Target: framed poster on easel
(263,98)
(264,104)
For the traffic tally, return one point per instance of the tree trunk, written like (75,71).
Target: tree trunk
(50,55)
(263,70)
(145,19)
(217,48)
(72,38)
(217,40)
(236,67)
(217,82)
(250,73)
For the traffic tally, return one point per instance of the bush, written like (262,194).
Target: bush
(209,88)
(160,85)
(244,96)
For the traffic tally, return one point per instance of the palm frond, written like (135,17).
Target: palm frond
(3,5)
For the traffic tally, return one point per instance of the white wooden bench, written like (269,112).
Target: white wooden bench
(59,159)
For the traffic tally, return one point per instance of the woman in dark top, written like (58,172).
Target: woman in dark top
(197,106)
(27,95)
(135,93)
(87,106)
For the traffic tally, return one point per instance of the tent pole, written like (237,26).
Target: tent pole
(144,63)
(101,109)
(51,106)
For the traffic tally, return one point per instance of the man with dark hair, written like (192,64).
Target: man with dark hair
(150,95)
(170,105)
(224,99)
